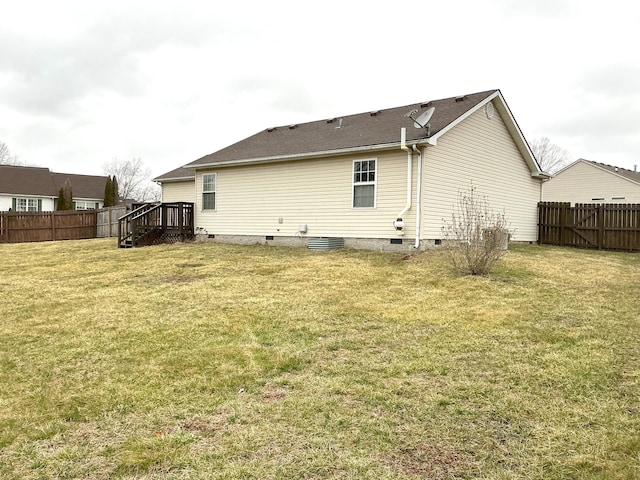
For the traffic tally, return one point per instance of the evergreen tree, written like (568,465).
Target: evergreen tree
(108,193)
(60,204)
(67,194)
(114,186)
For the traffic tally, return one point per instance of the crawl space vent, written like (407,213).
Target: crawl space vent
(325,243)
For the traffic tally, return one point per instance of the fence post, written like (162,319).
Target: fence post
(600,227)
(9,221)
(540,217)
(563,222)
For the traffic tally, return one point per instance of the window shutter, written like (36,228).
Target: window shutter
(39,204)
(13,204)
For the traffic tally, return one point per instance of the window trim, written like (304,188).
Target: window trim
(355,184)
(83,205)
(31,204)
(209,192)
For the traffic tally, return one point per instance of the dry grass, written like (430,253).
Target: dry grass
(196,361)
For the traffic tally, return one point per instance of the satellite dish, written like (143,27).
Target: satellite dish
(423,119)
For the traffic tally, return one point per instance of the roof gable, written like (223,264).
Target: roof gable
(626,174)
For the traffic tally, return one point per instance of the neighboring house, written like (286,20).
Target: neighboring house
(585,181)
(35,189)
(353,177)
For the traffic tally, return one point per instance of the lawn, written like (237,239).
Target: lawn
(198,361)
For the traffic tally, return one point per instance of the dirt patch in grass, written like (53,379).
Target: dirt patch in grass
(182,279)
(272,393)
(190,265)
(434,461)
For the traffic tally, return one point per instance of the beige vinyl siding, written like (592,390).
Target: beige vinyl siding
(253,200)
(179,191)
(587,183)
(482,151)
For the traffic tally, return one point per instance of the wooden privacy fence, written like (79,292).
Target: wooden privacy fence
(603,226)
(107,221)
(18,227)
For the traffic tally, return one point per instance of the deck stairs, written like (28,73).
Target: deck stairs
(155,223)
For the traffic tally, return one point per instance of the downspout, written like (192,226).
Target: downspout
(399,222)
(418,196)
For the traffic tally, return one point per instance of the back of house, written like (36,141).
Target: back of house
(384,179)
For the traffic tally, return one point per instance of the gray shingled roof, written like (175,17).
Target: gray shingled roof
(373,130)
(629,174)
(368,129)
(18,180)
(180,173)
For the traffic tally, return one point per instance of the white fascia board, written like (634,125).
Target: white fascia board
(464,116)
(28,195)
(175,179)
(567,167)
(511,125)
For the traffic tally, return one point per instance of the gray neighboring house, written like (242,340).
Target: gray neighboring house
(353,177)
(586,181)
(35,189)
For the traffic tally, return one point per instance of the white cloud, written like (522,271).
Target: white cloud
(81,83)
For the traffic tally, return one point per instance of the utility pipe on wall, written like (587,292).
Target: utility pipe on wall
(418,195)
(399,223)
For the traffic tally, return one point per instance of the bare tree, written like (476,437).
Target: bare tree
(134,179)
(476,235)
(550,156)
(6,158)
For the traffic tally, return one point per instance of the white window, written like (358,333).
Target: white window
(364,183)
(209,191)
(85,205)
(26,204)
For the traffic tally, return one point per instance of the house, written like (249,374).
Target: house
(35,189)
(178,185)
(384,179)
(585,181)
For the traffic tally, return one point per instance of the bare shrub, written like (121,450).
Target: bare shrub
(476,236)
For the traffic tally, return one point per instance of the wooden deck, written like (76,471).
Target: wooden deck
(156,223)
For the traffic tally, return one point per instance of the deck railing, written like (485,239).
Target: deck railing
(156,223)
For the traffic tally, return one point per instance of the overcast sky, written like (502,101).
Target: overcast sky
(83,82)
